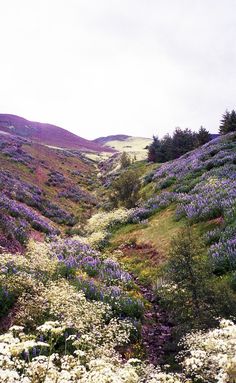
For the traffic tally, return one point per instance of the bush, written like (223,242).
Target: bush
(192,294)
(125,189)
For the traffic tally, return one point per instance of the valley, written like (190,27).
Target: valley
(95,290)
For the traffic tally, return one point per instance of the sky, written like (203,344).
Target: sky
(101,67)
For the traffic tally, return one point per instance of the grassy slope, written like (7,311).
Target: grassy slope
(159,230)
(135,146)
(155,236)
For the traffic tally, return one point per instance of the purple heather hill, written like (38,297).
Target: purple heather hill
(47,134)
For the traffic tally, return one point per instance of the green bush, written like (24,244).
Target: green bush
(125,189)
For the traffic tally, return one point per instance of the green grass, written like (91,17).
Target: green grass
(158,232)
(156,235)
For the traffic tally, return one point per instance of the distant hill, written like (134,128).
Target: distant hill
(135,146)
(47,134)
(115,137)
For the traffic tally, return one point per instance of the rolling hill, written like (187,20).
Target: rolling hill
(43,190)
(47,134)
(135,146)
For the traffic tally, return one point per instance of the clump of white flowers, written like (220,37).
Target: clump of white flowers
(99,225)
(24,359)
(106,220)
(59,336)
(211,356)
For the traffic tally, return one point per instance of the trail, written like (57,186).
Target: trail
(156,328)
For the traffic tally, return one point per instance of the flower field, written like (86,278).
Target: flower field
(60,333)
(202,184)
(42,190)
(70,310)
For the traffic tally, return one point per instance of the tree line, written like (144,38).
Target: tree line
(172,147)
(184,140)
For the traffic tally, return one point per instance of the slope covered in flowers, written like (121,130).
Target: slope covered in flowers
(203,185)
(200,188)
(42,190)
(56,333)
(69,311)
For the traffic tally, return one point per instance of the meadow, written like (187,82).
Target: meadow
(78,287)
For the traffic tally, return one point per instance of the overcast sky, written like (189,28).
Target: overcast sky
(99,67)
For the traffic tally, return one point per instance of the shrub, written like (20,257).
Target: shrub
(125,189)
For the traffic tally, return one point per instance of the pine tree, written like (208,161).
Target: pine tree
(228,122)
(203,136)
(153,149)
(166,148)
(183,142)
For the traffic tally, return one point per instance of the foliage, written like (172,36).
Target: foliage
(192,293)
(228,122)
(182,141)
(125,160)
(186,290)
(203,136)
(125,189)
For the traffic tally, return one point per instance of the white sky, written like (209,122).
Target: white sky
(99,67)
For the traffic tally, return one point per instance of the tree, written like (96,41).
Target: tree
(228,122)
(185,266)
(183,142)
(153,150)
(166,148)
(125,160)
(203,136)
(125,189)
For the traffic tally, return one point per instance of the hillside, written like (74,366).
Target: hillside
(198,188)
(47,134)
(114,137)
(135,146)
(43,190)
(94,292)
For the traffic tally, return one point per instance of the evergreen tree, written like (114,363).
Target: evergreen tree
(203,136)
(183,142)
(228,122)
(153,150)
(166,148)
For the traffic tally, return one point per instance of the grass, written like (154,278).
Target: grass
(156,237)
(158,232)
(135,146)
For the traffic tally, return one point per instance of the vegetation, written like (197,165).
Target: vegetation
(124,160)
(193,295)
(182,141)
(149,281)
(228,122)
(125,189)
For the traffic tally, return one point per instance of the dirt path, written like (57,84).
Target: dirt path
(156,329)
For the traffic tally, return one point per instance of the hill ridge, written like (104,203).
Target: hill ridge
(47,134)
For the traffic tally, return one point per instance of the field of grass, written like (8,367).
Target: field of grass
(135,146)
(147,244)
